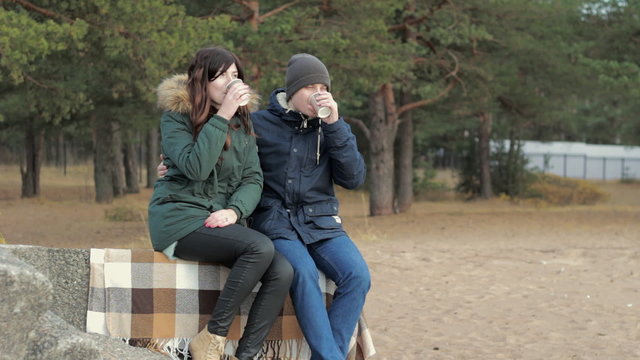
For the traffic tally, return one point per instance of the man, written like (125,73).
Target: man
(302,156)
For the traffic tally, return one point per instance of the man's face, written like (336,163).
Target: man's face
(300,100)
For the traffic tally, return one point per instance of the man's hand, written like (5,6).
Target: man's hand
(326,99)
(162,170)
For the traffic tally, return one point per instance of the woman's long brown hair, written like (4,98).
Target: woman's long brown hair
(206,66)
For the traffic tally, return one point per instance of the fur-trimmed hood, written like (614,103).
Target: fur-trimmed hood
(279,106)
(173,94)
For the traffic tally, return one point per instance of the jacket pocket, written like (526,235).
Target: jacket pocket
(323,215)
(186,200)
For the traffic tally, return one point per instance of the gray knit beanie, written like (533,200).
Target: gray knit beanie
(303,70)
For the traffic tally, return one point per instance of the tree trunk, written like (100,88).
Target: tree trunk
(404,138)
(69,152)
(119,181)
(484,155)
(404,161)
(512,167)
(152,156)
(131,167)
(33,144)
(65,157)
(102,159)
(59,149)
(381,152)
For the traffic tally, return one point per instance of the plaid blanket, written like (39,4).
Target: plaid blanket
(142,297)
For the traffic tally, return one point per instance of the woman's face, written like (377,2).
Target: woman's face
(300,100)
(216,89)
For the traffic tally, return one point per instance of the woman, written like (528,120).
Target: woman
(213,182)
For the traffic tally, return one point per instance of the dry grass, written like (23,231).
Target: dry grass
(65,215)
(556,190)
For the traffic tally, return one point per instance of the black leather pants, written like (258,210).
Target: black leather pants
(251,257)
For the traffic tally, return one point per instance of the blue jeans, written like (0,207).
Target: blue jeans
(327,331)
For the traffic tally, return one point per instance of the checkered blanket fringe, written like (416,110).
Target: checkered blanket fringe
(176,348)
(271,349)
(147,300)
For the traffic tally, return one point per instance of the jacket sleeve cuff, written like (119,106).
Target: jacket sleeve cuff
(336,133)
(238,212)
(336,126)
(219,122)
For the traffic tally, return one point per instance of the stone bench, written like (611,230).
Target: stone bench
(43,308)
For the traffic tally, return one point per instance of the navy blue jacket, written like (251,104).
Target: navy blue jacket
(298,199)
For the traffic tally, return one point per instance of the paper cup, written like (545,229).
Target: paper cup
(322,111)
(232,83)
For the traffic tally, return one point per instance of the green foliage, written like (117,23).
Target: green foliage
(511,179)
(24,41)
(423,175)
(608,114)
(509,175)
(469,170)
(424,185)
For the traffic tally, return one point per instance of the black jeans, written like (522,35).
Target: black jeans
(251,257)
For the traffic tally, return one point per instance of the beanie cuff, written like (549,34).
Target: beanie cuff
(307,80)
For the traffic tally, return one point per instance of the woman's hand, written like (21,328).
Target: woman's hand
(325,99)
(221,218)
(232,100)
(162,169)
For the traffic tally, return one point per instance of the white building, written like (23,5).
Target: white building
(583,161)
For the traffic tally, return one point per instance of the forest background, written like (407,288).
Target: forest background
(413,78)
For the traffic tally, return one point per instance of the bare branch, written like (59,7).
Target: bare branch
(456,68)
(415,21)
(29,6)
(277,10)
(455,16)
(359,123)
(244,3)
(408,23)
(461,82)
(37,82)
(427,43)
(511,105)
(425,102)
(452,83)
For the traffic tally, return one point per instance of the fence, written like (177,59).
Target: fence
(567,159)
(585,167)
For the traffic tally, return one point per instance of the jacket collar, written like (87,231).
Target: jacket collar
(279,107)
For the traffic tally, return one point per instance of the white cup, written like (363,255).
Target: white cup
(245,98)
(322,111)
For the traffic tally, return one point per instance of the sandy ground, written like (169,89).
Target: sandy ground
(451,280)
(508,285)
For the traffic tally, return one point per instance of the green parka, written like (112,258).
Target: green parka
(201,177)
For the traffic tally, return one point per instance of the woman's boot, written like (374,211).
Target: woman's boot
(207,346)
